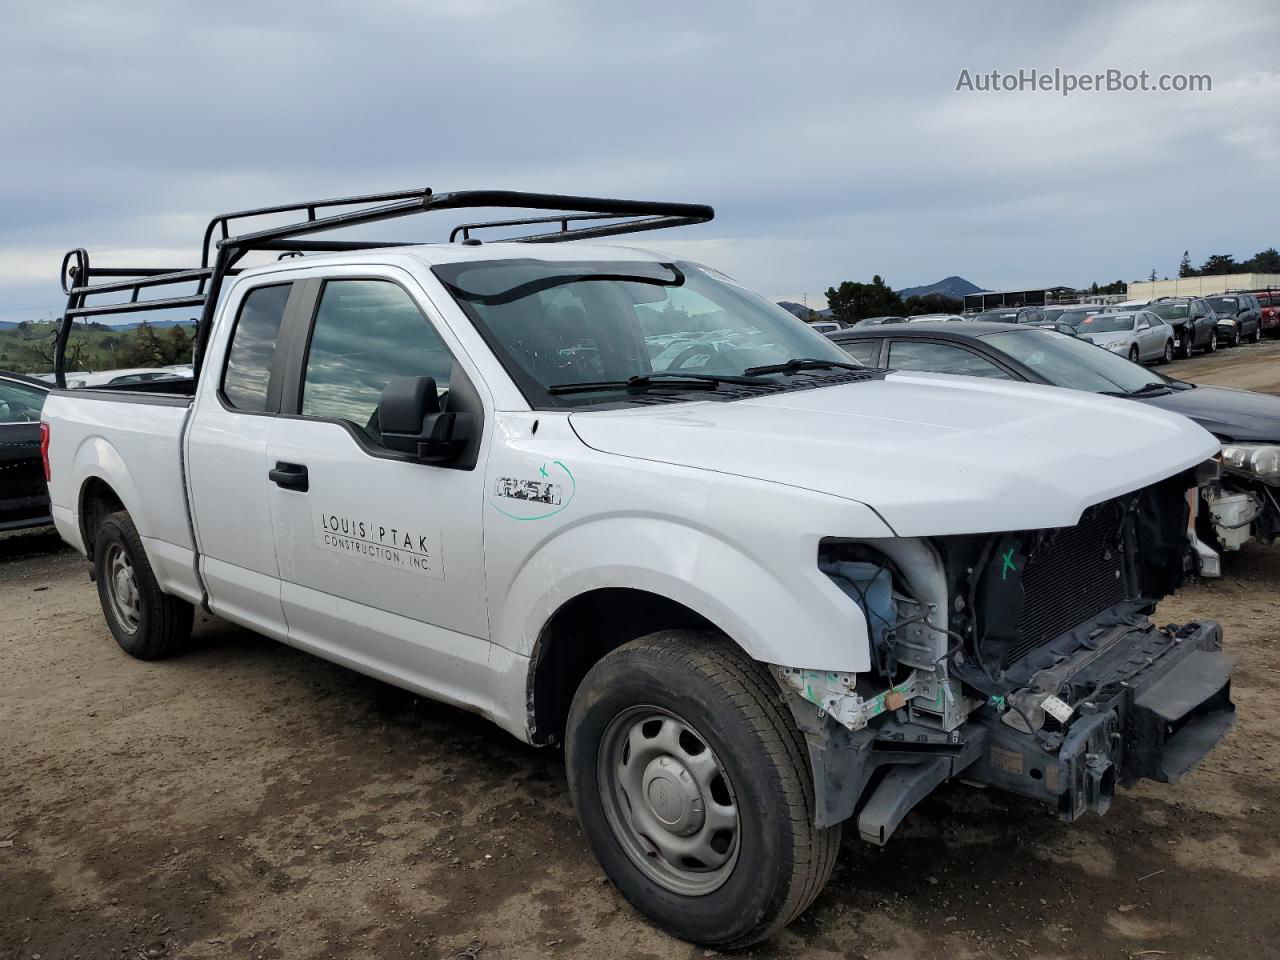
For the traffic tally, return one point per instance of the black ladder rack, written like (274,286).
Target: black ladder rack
(221,250)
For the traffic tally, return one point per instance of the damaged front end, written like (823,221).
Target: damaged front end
(1023,660)
(1239,502)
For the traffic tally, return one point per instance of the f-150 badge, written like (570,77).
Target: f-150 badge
(528,498)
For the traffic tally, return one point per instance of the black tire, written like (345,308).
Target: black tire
(1167,355)
(781,860)
(1212,345)
(1134,355)
(146,622)
(1184,352)
(1257,333)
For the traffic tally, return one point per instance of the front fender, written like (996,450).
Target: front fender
(785,612)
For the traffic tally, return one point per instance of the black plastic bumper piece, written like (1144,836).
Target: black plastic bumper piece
(1150,705)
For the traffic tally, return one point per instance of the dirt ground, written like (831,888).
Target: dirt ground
(248,800)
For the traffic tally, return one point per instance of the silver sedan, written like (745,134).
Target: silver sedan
(1141,336)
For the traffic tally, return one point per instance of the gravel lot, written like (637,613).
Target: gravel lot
(248,800)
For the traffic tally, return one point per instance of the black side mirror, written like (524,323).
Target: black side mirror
(411,421)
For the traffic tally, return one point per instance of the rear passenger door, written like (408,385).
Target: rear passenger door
(226,458)
(381,556)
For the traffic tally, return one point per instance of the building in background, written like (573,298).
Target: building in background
(1203,286)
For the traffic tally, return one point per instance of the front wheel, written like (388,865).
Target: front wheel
(691,783)
(1133,354)
(147,622)
(1184,345)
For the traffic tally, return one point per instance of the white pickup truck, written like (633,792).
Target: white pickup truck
(616,501)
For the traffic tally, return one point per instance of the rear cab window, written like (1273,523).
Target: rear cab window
(246,379)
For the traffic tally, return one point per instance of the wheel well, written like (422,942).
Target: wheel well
(580,633)
(97,501)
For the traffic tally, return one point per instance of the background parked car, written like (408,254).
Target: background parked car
(1011,315)
(1141,336)
(1071,314)
(1239,317)
(877,321)
(1194,323)
(936,318)
(24,499)
(1269,301)
(827,326)
(1239,506)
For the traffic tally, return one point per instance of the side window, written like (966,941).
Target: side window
(863,351)
(941,358)
(253,346)
(20,403)
(365,332)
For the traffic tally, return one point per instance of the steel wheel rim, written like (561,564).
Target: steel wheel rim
(122,588)
(669,801)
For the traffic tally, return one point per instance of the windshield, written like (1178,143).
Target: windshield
(1169,311)
(1222,304)
(557,323)
(1065,361)
(1105,323)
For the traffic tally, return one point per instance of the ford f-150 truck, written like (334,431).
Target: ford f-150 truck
(616,501)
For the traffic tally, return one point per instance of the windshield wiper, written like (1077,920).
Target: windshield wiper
(1147,388)
(802,363)
(642,382)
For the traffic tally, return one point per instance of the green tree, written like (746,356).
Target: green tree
(1219,263)
(1264,261)
(932,303)
(1185,269)
(851,302)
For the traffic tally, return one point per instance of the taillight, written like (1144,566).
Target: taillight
(44,450)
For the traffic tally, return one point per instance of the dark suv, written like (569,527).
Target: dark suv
(1193,320)
(1239,317)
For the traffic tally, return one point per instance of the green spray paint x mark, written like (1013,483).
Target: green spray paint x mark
(1007,565)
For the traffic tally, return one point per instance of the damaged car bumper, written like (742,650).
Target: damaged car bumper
(1140,702)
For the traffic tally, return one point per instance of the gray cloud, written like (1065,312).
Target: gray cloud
(829,136)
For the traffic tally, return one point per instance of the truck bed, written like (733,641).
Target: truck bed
(129,440)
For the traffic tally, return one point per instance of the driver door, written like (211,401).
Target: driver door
(381,556)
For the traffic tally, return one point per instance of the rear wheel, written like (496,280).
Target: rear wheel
(1257,333)
(691,782)
(1167,355)
(1212,345)
(146,621)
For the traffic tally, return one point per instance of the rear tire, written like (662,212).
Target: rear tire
(1212,345)
(691,708)
(1257,333)
(146,621)
(1167,356)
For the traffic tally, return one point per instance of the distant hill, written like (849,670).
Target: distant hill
(800,310)
(954,287)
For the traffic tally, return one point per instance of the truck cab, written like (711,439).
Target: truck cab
(616,502)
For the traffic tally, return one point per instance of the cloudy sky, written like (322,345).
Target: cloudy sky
(830,137)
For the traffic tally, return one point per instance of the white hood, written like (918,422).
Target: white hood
(932,454)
